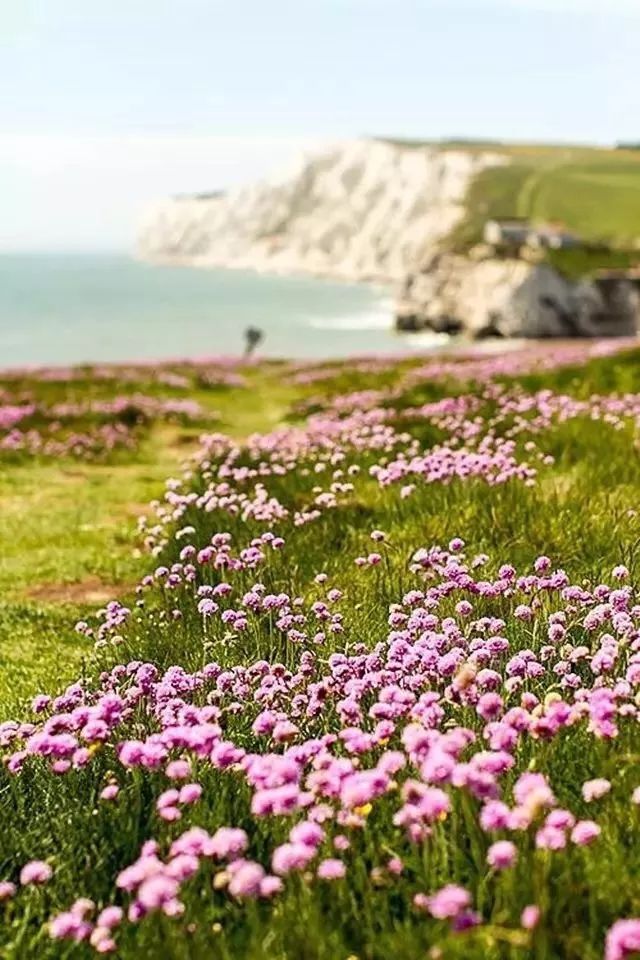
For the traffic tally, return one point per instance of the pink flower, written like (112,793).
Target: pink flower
(40,702)
(585,832)
(623,940)
(331,869)
(308,833)
(595,789)
(560,819)
(270,885)
(533,791)
(207,607)
(502,855)
(489,706)
(291,856)
(110,792)
(167,799)
(530,917)
(246,880)
(550,838)
(228,843)
(69,926)
(494,815)
(109,917)
(178,769)
(102,941)
(190,793)
(158,891)
(35,872)
(82,906)
(7,890)
(448,902)
(523,612)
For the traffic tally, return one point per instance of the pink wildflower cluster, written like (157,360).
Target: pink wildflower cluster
(327,728)
(87,429)
(402,743)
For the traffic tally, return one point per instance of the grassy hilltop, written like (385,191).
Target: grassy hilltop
(594,192)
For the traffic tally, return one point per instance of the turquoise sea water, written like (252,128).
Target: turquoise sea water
(70,309)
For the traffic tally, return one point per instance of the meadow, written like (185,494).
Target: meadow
(593,192)
(322,661)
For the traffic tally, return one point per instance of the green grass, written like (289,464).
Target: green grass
(594,193)
(68,528)
(67,544)
(63,523)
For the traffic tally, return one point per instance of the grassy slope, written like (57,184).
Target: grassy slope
(579,514)
(594,192)
(67,528)
(65,545)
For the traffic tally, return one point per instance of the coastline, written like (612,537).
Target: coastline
(59,309)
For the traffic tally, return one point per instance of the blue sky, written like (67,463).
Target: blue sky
(107,104)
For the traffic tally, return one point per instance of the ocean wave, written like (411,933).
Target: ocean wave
(378,318)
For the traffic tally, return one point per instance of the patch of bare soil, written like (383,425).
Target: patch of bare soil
(90,591)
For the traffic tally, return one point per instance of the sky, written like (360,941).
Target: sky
(108,105)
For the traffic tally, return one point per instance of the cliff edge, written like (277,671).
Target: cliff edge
(364,210)
(372,210)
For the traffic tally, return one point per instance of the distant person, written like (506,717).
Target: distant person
(253,336)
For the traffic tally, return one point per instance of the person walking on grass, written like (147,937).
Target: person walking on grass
(253,336)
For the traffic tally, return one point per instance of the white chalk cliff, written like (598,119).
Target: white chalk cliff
(364,210)
(369,210)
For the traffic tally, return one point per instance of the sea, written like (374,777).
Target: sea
(61,309)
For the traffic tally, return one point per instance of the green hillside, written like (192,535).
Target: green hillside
(594,192)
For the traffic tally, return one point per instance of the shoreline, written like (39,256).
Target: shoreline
(460,349)
(59,309)
(110,310)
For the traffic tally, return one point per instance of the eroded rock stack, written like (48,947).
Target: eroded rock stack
(514,298)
